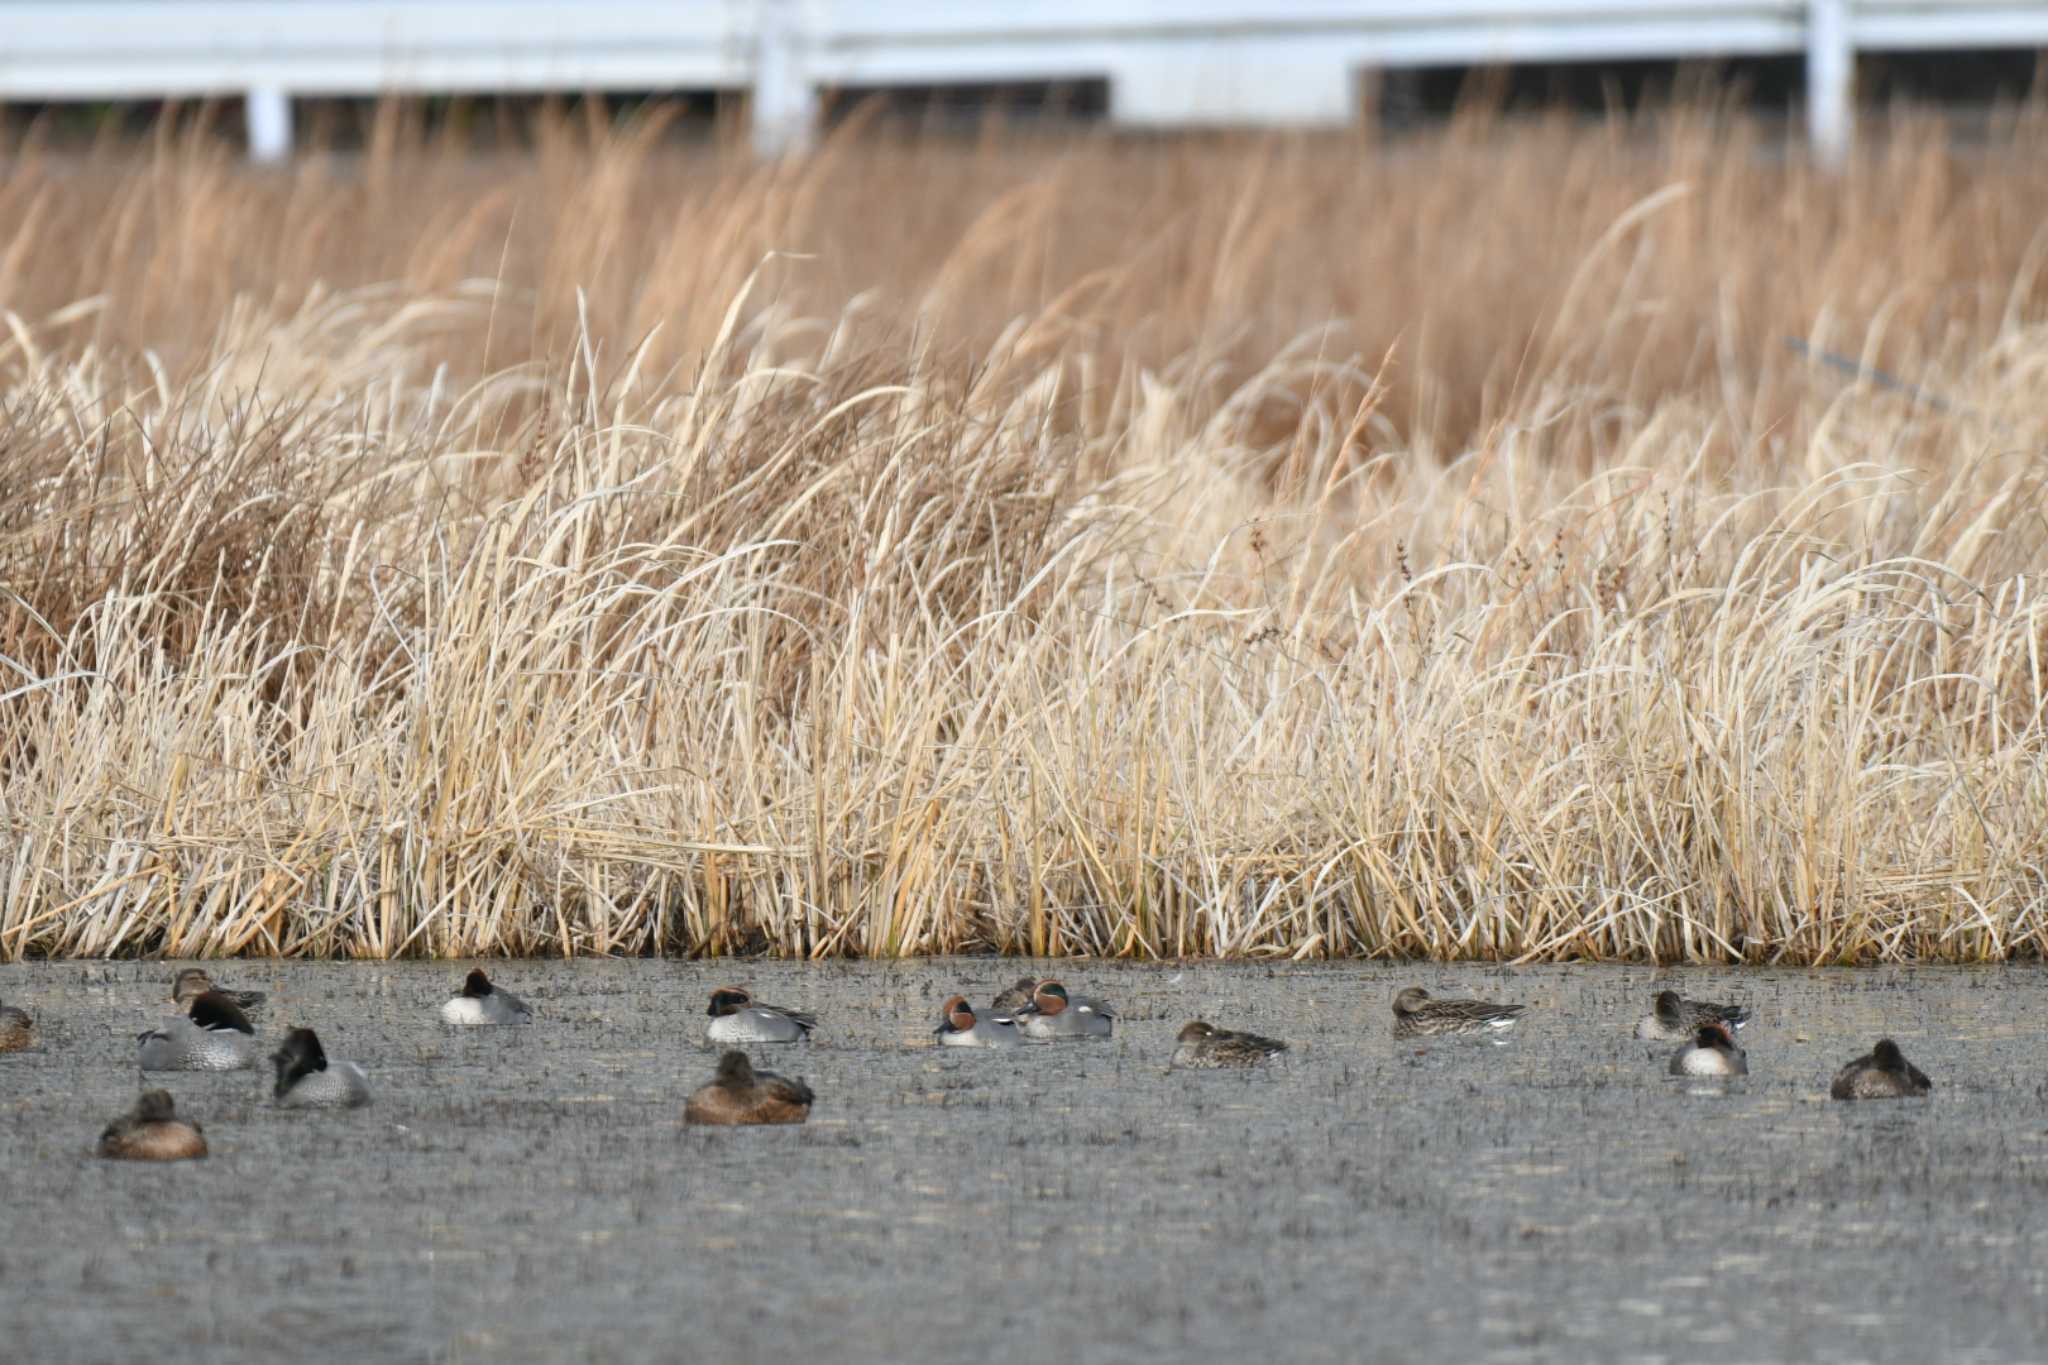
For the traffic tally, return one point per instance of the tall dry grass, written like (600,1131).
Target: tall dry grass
(1226,547)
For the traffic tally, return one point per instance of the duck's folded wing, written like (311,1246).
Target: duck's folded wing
(1482,1010)
(1707,1011)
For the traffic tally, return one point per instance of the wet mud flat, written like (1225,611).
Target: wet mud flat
(531,1194)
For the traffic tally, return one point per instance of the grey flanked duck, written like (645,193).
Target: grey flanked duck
(960,1026)
(480,1002)
(214,1036)
(738,1094)
(1205,1045)
(1673,1018)
(1012,1000)
(306,1079)
(152,1131)
(1054,1017)
(736,1017)
(1417,1015)
(1712,1052)
(1882,1074)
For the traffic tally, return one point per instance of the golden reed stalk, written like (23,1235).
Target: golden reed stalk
(1239,547)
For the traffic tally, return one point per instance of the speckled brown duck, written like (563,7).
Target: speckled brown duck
(1205,1045)
(17,1030)
(193,982)
(1418,1015)
(1673,1018)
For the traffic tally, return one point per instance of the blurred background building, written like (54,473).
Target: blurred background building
(793,65)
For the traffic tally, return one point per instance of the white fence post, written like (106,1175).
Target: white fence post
(268,112)
(1830,72)
(784,105)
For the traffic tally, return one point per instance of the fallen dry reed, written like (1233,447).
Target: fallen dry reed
(1288,546)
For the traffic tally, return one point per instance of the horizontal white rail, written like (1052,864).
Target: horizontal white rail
(1166,62)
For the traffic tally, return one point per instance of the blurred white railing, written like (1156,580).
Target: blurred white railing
(1166,62)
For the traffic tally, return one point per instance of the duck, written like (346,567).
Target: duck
(306,1079)
(1011,1000)
(736,1017)
(1712,1052)
(1208,1046)
(1673,1018)
(1416,1015)
(193,982)
(17,1030)
(152,1131)
(738,1094)
(959,1026)
(214,1036)
(1882,1074)
(479,1002)
(1052,1016)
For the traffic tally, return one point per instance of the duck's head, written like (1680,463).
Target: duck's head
(189,984)
(155,1106)
(300,1054)
(1050,998)
(728,1000)
(735,1072)
(1410,1000)
(955,1016)
(1195,1031)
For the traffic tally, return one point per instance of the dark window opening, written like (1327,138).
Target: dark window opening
(966,108)
(1965,77)
(341,123)
(1412,97)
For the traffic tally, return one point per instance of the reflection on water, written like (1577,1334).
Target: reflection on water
(531,1194)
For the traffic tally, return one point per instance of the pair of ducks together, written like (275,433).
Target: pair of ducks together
(1710,1050)
(1039,1011)
(214,1034)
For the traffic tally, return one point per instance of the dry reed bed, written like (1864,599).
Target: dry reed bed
(1155,549)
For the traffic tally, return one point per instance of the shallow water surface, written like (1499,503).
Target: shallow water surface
(530,1194)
